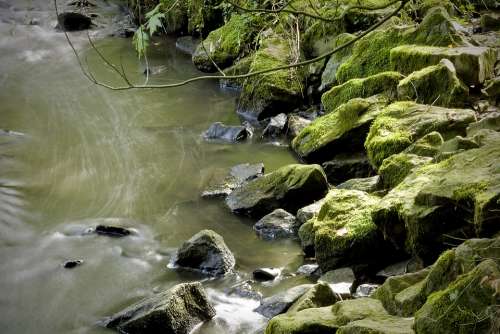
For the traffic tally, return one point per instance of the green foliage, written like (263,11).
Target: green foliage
(154,19)
(141,41)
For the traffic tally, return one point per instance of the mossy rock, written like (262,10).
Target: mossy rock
(395,292)
(371,55)
(396,167)
(492,88)
(226,43)
(272,93)
(427,146)
(468,305)
(343,232)
(402,123)
(490,21)
(383,83)
(240,66)
(366,184)
(460,194)
(290,187)
(379,325)
(437,85)
(473,65)
(490,122)
(319,295)
(342,130)
(325,319)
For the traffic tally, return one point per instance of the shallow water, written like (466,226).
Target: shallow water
(79,155)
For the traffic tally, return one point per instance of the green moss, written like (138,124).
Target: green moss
(402,123)
(312,320)
(379,325)
(463,306)
(227,43)
(469,191)
(473,64)
(339,130)
(343,231)
(318,296)
(436,85)
(371,55)
(384,83)
(427,146)
(396,167)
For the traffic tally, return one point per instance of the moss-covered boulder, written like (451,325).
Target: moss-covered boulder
(343,130)
(291,188)
(490,122)
(468,305)
(223,45)
(458,195)
(382,83)
(343,232)
(319,295)
(174,311)
(396,167)
(326,319)
(281,302)
(366,184)
(402,123)
(272,93)
(396,293)
(371,55)
(379,325)
(436,85)
(473,65)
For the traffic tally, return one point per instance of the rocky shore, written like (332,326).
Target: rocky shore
(398,136)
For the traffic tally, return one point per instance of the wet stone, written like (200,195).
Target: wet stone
(112,231)
(70,21)
(266,274)
(227,133)
(70,264)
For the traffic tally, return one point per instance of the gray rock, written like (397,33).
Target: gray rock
(239,174)
(400,268)
(175,311)
(276,225)
(296,124)
(340,280)
(207,252)
(244,290)
(308,212)
(266,274)
(232,134)
(344,168)
(279,303)
(365,290)
(276,126)
(72,21)
(309,270)
(319,295)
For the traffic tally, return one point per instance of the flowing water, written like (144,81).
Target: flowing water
(76,155)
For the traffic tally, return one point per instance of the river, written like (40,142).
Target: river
(76,155)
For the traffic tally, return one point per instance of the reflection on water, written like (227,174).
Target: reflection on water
(79,154)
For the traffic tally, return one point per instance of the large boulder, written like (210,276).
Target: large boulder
(226,43)
(402,123)
(371,55)
(468,305)
(341,131)
(175,311)
(343,232)
(272,93)
(473,65)
(458,195)
(437,85)
(290,187)
(207,252)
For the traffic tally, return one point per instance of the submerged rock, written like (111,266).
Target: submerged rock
(402,123)
(70,264)
(437,85)
(341,131)
(207,252)
(276,225)
(224,184)
(112,231)
(290,187)
(232,134)
(279,303)
(266,274)
(174,311)
(72,21)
